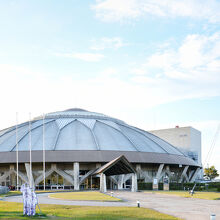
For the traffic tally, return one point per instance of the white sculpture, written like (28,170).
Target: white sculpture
(29,200)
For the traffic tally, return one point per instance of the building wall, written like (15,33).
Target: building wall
(145,172)
(186,138)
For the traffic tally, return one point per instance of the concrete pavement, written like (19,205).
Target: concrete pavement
(186,208)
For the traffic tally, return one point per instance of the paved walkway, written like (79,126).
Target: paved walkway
(186,208)
(44,199)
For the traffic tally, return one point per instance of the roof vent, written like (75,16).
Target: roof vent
(75,110)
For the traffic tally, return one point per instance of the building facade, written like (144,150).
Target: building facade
(88,150)
(187,139)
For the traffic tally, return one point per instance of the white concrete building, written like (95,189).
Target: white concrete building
(88,150)
(187,139)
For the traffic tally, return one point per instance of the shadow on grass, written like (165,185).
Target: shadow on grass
(19,215)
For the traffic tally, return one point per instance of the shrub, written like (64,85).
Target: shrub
(145,186)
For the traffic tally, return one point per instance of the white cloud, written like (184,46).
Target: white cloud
(114,10)
(119,10)
(89,57)
(196,60)
(109,72)
(108,43)
(40,92)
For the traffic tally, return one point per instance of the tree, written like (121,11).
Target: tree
(211,173)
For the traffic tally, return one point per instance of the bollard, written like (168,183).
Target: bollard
(212,217)
(111,194)
(192,192)
(138,204)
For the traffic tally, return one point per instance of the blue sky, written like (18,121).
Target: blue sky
(151,64)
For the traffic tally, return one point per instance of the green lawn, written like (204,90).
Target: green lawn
(198,195)
(13,193)
(11,210)
(95,196)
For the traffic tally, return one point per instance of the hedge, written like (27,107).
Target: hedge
(182,186)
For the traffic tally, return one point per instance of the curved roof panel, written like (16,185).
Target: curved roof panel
(78,129)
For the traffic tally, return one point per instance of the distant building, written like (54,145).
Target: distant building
(187,139)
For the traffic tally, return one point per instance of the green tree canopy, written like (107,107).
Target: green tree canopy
(210,173)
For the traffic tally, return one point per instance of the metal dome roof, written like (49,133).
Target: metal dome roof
(78,129)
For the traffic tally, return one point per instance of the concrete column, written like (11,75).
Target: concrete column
(138,169)
(146,177)
(134,182)
(159,171)
(195,174)
(53,166)
(184,174)
(167,171)
(4,176)
(29,175)
(76,175)
(103,183)
(98,165)
(13,180)
(11,167)
(158,177)
(121,181)
(12,176)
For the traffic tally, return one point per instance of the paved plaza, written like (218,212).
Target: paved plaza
(186,208)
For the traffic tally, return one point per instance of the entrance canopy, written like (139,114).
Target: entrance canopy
(119,165)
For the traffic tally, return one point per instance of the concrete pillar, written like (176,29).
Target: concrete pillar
(98,165)
(121,181)
(158,176)
(76,175)
(103,183)
(29,175)
(134,183)
(146,176)
(13,180)
(159,171)
(184,174)
(167,171)
(138,169)
(11,167)
(53,166)
(194,176)
(12,176)
(4,177)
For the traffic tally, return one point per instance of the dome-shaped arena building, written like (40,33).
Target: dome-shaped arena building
(87,150)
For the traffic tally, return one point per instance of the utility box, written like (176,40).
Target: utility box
(166,184)
(155,184)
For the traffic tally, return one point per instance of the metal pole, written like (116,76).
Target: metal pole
(17,148)
(44,152)
(30,181)
(91,182)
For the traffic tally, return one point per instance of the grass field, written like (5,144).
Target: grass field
(11,210)
(198,195)
(86,196)
(13,193)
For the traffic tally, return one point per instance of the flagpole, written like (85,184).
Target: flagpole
(44,151)
(17,148)
(30,181)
